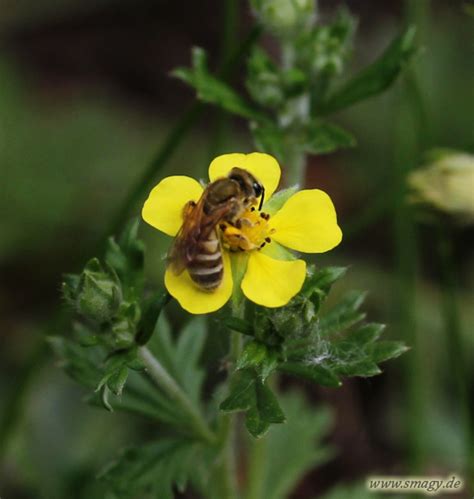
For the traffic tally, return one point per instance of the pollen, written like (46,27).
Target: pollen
(250,232)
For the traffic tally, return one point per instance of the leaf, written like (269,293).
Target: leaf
(377,77)
(212,90)
(181,357)
(289,451)
(151,311)
(151,468)
(239,325)
(385,350)
(317,373)
(344,315)
(249,393)
(260,357)
(323,138)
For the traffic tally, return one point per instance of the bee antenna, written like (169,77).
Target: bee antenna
(261,199)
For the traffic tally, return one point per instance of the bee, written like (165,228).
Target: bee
(197,247)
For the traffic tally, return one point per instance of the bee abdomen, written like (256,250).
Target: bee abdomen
(207,268)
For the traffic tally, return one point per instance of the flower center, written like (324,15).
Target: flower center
(250,232)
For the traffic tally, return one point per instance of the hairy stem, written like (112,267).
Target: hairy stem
(165,382)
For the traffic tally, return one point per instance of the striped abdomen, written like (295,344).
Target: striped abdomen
(207,268)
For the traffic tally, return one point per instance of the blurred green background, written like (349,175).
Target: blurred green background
(85,102)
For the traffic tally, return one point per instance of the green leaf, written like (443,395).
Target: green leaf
(292,449)
(152,468)
(151,311)
(363,367)
(317,373)
(239,325)
(212,90)
(368,333)
(249,393)
(377,77)
(181,357)
(117,380)
(260,357)
(385,350)
(323,138)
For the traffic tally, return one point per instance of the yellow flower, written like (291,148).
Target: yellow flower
(306,222)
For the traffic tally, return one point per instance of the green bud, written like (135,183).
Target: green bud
(285,17)
(124,327)
(446,184)
(98,293)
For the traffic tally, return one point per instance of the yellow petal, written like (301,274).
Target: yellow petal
(263,167)
(164,207)
(272,283)
(307,222)
(194,299)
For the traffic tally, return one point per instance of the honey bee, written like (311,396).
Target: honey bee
(197,246)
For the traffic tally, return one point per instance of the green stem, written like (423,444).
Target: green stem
(256,467)
(295,112)
(169,385)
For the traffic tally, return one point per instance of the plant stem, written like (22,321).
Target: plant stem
(169,385)
(256,467)
(296,111)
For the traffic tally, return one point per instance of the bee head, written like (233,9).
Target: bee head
(249,185)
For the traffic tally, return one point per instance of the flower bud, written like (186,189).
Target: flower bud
(98,293)
(285,16)
(447,184)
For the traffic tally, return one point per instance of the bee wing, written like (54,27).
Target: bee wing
(196,227)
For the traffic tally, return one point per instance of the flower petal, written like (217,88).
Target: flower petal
(307,222)
(270,282)
(164,207)
(264,167)
(194,299)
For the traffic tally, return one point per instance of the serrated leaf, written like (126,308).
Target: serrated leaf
(151,469)
(322,279)
(323,138)
(264,412)
(368,333)
(180,358)
(213,90)
(344,315)
(249,393)
(363,367)
(385,350)
(283,463)
(317,373)
(117,380)
(377,77)
(260,357)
